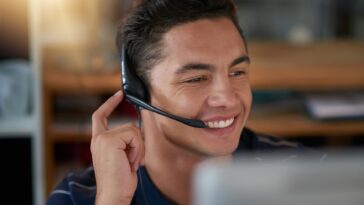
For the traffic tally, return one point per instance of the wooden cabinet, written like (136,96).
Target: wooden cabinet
(331,65)
(321,66)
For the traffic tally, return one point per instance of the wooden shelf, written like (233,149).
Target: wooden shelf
(318,66)
(79,131)
(58,81)
(63,136)
(297,124)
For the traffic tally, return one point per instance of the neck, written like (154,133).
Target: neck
(170,169)
(170,166)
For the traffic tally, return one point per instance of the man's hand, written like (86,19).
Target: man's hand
(116,154)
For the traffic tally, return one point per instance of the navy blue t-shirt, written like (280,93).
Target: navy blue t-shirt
(81,189)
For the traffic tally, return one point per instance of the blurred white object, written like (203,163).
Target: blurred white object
(15,77)
(300,35)
(338,180)
(336,106)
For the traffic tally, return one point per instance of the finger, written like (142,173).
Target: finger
(139,161)
(140,151)
(136,153)
(132,142)
(134,145)
(99,117)
(140,156)
(123,127)
(133,153)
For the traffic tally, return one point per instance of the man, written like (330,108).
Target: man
(193,58)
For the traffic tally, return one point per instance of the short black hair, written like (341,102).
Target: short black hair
(142,31)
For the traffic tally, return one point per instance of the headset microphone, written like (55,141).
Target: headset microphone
(136,93)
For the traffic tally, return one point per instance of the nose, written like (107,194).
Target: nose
(222,94)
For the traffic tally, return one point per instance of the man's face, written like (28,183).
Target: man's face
(203,75)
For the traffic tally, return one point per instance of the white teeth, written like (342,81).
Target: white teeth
(220,124)
(216,124)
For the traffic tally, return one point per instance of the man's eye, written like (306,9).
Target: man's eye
(196,80)
(237,73)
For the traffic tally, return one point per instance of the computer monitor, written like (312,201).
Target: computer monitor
(337,180)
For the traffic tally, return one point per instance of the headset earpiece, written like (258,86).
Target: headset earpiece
(132,85)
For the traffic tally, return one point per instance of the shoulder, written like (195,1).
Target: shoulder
(253,141)
(258,144)
(75,189)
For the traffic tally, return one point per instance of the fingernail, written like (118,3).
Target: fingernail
(117,93)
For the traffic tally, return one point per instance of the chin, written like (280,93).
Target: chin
(219,150)
(220,145)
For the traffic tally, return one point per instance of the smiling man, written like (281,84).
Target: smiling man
(203,75)
(193,59)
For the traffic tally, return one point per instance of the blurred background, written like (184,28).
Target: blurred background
(58,63)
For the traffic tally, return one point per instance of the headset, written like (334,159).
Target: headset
(136,93)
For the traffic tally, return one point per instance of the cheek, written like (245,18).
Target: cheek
(245,96)
(189,103)
(184,103)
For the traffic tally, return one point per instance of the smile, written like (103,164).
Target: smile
(219,124)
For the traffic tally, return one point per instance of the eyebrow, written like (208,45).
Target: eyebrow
(193,66)
(202,66)
(241,59)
